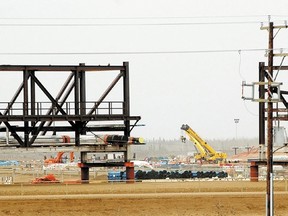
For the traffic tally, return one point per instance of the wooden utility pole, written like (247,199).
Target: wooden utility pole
(269,178)
(270,88)
(266,72)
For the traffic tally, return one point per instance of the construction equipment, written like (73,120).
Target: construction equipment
(50,178)
(206,152)
(58,158)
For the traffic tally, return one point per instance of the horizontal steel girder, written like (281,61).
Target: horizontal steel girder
(104,164)
(58,68)
(5,118)
(66,128)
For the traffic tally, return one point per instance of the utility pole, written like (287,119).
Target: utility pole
(269,177)
(266,72)
(235,149)
(236,120)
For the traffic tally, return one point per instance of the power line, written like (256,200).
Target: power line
(123,24)
(260,23)
(239,67)
(141,52)
(164,21)
(137,18)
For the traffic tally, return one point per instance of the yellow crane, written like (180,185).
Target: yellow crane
(206,152)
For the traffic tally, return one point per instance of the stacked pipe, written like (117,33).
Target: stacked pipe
(164,174)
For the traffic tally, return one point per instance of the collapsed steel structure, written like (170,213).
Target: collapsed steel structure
(35,118)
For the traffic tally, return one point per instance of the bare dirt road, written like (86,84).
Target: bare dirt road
(142,198)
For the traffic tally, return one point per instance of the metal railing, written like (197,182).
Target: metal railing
(70,108)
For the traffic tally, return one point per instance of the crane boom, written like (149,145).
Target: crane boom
(206,151)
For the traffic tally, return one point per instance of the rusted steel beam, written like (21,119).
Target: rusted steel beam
(254,170)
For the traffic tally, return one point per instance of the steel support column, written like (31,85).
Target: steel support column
(84,170)
(254,171)
(82,96)
(33,99)
(126,97)
(76,104)
(130,175)
(261,112)
(85,175)
(126,108)
(25,107)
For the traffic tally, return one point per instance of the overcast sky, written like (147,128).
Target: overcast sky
(168,88)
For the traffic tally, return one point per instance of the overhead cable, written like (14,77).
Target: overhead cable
(140,52)
(123,24)
(138,18)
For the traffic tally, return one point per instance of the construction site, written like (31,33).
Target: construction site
(70,134)
(98,161)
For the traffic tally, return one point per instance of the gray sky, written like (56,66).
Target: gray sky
(202,89)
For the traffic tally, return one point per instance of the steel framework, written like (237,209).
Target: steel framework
(35,118)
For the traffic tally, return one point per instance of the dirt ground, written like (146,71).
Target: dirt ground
(185,198)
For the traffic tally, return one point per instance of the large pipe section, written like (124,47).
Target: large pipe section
(39,139)
(96,140)
(112,140)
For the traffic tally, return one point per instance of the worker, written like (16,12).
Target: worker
(183,139)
